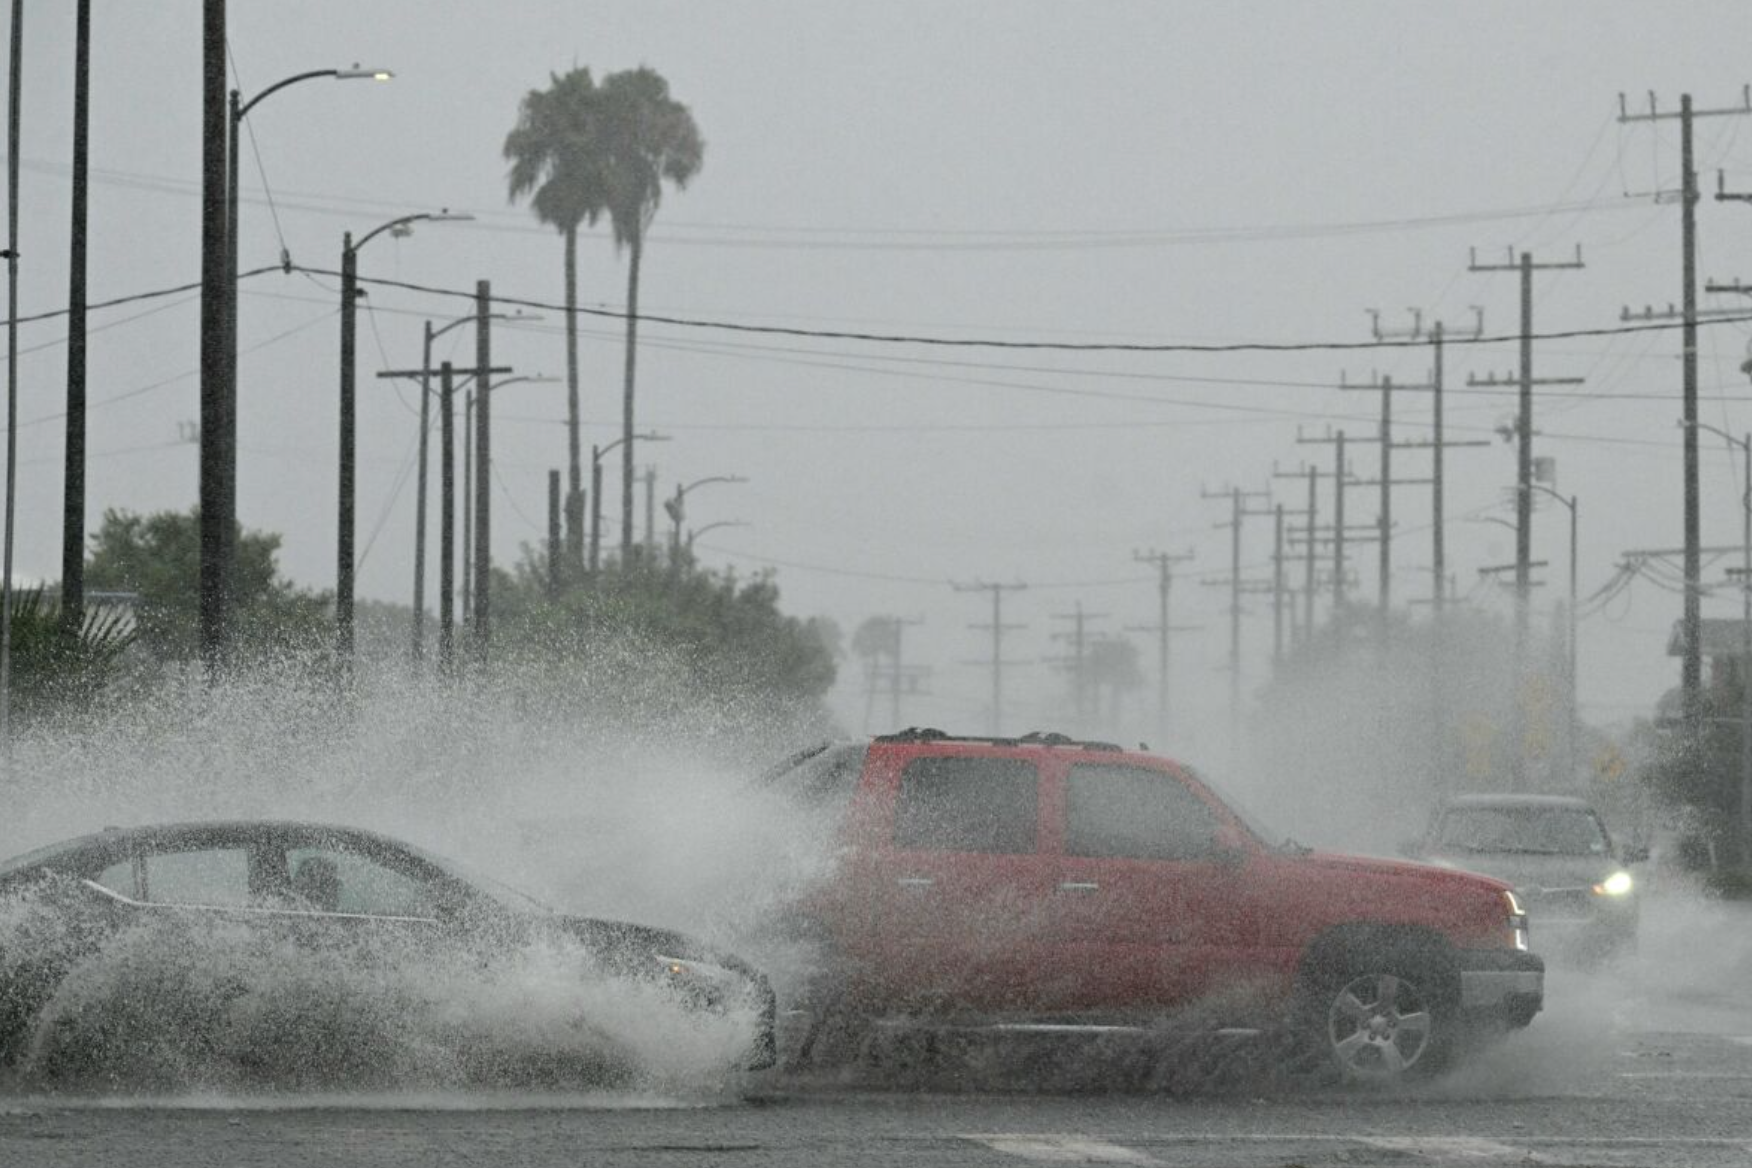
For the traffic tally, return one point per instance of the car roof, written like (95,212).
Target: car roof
(112,837)
(1517,800)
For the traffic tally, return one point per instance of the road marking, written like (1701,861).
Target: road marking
(1742,1039)
(1062,1149)
(1451,1147)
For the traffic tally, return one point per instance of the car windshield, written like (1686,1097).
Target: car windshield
(1557,831)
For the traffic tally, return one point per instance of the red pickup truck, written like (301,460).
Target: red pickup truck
(1045,880)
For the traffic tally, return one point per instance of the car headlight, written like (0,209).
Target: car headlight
(1617,884)
(703,983)
(1517,921)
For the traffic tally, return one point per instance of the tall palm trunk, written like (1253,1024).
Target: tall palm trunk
(574,567)
(636,249)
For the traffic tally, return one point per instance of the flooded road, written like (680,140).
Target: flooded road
(1632,1067)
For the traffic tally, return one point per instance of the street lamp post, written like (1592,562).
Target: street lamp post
(596,455)
(476,462)
(344,564)
(676,508)
(221,445)
(1745,446)
(695,534)
(1570,739)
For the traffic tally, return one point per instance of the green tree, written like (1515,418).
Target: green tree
(157,558)
(645,138)
(555,157)
(649,643)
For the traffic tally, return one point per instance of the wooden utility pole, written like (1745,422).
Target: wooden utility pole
(1691,669)
(1164,562)
(483,549)
(73,484)
(1523,435)
(215,518)
(1079,660)
(1237,512)
(998,629)
(447,519)
(553,541)
(1437,334)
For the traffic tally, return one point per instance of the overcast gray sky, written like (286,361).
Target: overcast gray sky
(1077,172)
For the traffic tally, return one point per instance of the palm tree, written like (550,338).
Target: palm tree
(555,152)
(644,137)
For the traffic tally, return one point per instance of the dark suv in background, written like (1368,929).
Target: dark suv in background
(1044,881)
(1575,883)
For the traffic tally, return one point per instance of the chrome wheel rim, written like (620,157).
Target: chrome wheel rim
(1378,1026)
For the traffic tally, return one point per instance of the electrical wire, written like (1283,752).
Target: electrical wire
(1051,346)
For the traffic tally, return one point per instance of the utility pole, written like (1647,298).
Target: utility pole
(1436,331)
(73,484)
(1237,512)
(1386,481)
(1691,671)
(424,375)
(215,454)
(553,541)
(894,683)
(650,477)
(998,629)
(447,519)
(1340,533)
(1079,661)
(1164,562)
(483,565)
(1526,266)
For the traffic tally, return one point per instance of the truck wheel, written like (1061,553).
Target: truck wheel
(1381,1021)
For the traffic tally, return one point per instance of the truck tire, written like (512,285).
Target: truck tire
(1381,1018)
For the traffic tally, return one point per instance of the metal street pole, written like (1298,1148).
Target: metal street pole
(597,453)
(13,87)
(344,561)
(221,444)
(1745,663)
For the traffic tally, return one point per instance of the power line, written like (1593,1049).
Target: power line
(994,343)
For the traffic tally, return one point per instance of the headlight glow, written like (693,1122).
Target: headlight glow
(1617,884)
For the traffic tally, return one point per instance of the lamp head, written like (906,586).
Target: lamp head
(358,74)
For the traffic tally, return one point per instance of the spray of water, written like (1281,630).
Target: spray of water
(606,796)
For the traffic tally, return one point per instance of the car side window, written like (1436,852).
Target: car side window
(119,877)
(335,881)
(1135,813)
(211,877)
(967,804)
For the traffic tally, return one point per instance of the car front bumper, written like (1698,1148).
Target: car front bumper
(1508,983)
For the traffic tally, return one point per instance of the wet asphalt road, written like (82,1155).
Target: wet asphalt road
(1645,1065)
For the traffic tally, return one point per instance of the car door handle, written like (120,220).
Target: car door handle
(915,881)
(1079,886)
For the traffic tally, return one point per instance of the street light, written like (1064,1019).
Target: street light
(349,302)
(693,535)
(472,549)
(219,421)
(1745,445)
(596,453)
(675,508)
(1570,740)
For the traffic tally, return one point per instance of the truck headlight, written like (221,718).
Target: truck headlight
(1517,922)
(1617,884)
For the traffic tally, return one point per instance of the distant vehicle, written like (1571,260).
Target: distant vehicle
(1576,884)
(1042,882)
(325,889)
